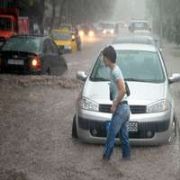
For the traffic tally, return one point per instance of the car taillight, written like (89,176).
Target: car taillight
(36,63)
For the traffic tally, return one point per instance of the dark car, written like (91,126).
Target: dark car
(138,39)
(32,55)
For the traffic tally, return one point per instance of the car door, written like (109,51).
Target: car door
(49,57)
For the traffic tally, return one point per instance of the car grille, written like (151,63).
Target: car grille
(134,109)
(138,109)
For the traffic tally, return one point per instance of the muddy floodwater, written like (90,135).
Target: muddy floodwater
(36,115)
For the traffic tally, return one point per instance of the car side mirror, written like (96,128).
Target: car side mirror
(174,78)
(81,75)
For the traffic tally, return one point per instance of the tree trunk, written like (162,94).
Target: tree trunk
(53,14)
(61,11)
(41,15)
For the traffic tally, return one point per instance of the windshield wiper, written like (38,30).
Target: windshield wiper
(99,79)
(142,80)
(134,79)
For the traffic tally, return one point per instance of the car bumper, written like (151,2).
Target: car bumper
(19,69)
(68,50)
(91,127)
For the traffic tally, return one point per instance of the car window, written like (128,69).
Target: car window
(135,65)
(54,47)
(100,71)
(50,47)
(23,44)
(47,47)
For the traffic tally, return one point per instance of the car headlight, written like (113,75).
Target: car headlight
(104,31)
(81,33)
(88,104)
(112,31)
(91,34)
(73,37)
(159,106)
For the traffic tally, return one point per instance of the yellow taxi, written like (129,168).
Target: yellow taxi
(65,40)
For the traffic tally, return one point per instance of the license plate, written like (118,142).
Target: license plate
(15,62)
(133,127)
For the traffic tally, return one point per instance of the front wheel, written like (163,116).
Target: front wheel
(174,130)
(49,72)
(74,129)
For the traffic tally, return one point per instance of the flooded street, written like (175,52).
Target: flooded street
(36,114)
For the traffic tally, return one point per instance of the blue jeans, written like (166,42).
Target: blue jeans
(118,124)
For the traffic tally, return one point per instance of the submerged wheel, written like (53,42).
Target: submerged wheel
(174,130)
(74,129)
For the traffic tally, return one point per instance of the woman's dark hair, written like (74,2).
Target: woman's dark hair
(110,53)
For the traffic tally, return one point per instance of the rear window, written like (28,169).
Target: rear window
(23,44)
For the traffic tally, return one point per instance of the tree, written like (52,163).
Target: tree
(166,16)
(70,11)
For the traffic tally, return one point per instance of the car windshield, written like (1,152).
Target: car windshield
(141,66)
(61,36)
(23,44)
(5,24)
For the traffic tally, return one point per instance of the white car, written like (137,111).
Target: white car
(152,120)
(138,39)
(108,28)
(141,26)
